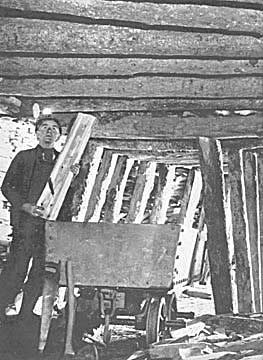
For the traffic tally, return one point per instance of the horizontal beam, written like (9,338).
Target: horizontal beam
(143,14)
(176,127)
(58,37)
(110,67)
(140,87)
(71,105)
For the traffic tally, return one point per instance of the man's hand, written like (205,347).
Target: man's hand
(33,209)
(75,169)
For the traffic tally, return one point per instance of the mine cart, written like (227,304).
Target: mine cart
(124,273)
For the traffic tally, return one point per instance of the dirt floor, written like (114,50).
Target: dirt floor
(19,339)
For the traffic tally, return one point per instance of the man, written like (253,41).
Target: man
(23,183)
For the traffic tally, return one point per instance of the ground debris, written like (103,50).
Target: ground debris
(208,337)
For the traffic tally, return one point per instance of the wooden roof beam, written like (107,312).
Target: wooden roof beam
(146,14)
(27,36)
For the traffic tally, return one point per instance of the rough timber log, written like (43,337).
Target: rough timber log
(250,184)
(216,226)
(145,14)
(259,154)
(172,127)
(56,37)
(239,230)
(136,87)
(72,105)
(17,66)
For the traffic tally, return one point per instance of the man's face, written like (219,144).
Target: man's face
(48,134)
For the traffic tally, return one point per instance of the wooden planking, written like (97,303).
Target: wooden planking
(139,87)
(113,189)
(17,66)
(211,168)
(143,14)
(60,178)
(124,255)
(249,166)
(259,156)
(239,231)
(46,36)
(73,105)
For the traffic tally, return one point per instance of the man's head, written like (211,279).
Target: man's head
(48,131)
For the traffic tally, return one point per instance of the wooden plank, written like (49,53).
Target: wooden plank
(148,187)
(71,105)
(180,159)
(17,66)
(97,214)
(165,177)
(56,188)
(259,154)
(181,15)
(138,87)
(124,255)
(239,231)
(211,168)
(138,192)
(94,157)
(120,192)
(249,166)
(186,196)
(47,36)
(197,258)
(112,192)
(101,175)
(186,241)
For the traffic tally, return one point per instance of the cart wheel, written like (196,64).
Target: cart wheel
(172,307)
(156,320)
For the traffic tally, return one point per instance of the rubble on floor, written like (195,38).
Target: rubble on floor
(210,337)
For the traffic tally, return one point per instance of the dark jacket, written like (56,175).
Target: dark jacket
(17,181)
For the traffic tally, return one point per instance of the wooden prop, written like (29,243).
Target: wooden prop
(57,186)
(71,309)
(217,245)
(49,293)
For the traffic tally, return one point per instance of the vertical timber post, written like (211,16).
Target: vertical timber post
(250,182)
(218,254)
(240,232)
